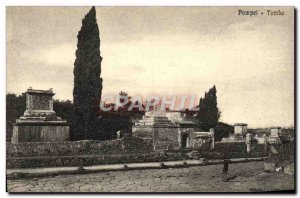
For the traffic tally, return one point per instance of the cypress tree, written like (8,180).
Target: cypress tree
(208,114)
(87,82)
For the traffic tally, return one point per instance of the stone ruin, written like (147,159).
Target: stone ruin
(39,122)
(155,118)
(169,134)
(240,130)
(155,125)
(273,138)
(240,135)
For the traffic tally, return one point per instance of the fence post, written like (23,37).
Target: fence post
(212,144)
(265,143)
(248,142)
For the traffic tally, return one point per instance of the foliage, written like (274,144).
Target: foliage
(107,124)
(64,109)
(209,114)
(87,82)
(15,107)
(120,120)
(222,130)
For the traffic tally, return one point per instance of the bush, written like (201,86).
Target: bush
(222,130)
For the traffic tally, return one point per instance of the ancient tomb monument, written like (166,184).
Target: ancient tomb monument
(170,134)
(144,128)
(275,135)
(39,122)
(240,131)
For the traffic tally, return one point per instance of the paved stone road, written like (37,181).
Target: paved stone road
(249,177)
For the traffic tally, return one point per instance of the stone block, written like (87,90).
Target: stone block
(39,122)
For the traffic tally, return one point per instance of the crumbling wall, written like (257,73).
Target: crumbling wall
(85,147)
(166,138)
(142,131)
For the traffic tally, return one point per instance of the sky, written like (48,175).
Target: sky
(164,51)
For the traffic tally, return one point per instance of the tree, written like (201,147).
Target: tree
(64,109)
(124,101)
(15,107)
(222,130)
(209,114)
(87,82)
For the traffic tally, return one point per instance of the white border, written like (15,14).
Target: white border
(4,3)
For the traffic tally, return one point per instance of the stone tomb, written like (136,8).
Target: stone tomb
(275,131)
(275,135)
(39,122)
(156,126)
(240,130)
(170,135)
(153,119)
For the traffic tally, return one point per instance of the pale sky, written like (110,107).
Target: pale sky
(165,51)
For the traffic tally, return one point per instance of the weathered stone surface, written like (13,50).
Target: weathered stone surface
(39,122)
(171,135)
(71,148)
(249,177)
(240,130)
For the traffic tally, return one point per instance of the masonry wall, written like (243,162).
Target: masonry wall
(40,133)
(59,161)
(73,148)
(81,153)
(238,150)
(142,131)
(166,138)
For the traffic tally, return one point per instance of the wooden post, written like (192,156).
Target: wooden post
(225,170)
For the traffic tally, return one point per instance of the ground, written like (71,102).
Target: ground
(248,177)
